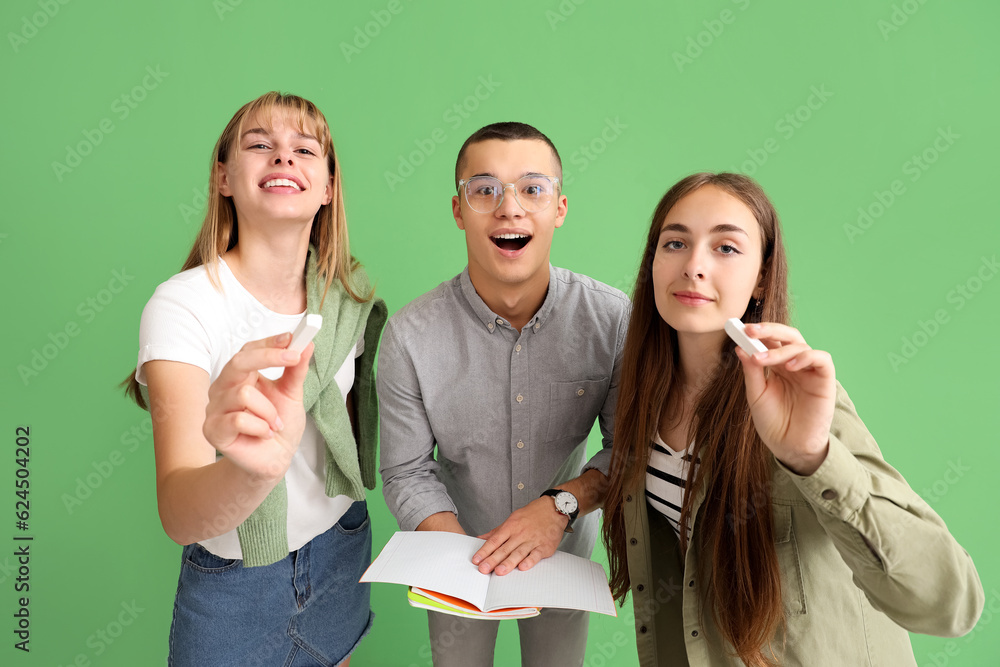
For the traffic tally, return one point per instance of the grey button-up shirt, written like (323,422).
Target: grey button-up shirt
(508,410)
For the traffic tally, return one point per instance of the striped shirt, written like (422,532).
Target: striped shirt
(666,479)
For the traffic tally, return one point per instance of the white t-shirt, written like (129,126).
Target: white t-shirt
(189,320)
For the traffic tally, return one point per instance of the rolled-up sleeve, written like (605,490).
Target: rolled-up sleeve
(900,551)
(407,465)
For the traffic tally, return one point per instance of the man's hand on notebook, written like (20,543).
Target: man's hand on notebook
(527,536)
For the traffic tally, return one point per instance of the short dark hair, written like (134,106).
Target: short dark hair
(508,131)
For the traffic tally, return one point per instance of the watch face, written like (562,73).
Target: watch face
(566,502)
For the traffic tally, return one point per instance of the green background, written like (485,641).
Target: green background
(609,84)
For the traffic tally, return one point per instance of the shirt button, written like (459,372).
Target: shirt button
(499,321)
(694,633)
(579,392)
(520,398)
(518,348)
(829,494)
(537,324)
(520,445)
(490,326)
(520,486)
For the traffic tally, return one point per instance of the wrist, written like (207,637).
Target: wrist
(805,464)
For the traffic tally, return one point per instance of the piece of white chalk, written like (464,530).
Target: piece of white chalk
(737,331)
(304,333)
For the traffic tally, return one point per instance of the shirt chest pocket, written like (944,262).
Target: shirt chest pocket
(573,406)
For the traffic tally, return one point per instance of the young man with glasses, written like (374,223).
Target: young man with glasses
(505,369)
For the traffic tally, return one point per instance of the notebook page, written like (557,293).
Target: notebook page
(436,561)
(564,581)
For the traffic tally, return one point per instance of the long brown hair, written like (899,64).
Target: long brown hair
(735,535)
(220,229)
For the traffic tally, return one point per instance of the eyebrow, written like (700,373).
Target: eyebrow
(718,229)
(491,174)
(263,132)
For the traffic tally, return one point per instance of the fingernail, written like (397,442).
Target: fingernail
(501,570)
(761,355)
(280,424)
(477,560)
(284,338)
(289,355)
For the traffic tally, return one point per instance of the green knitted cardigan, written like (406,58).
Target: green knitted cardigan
(350,465)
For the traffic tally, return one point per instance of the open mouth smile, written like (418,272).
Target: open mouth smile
(281,183)
(511,241)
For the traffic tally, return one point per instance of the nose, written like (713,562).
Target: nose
(694,268)
(509,206)
(282,154)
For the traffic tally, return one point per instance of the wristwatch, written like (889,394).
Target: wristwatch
(566,504)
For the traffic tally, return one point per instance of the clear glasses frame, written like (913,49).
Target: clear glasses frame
(532,207)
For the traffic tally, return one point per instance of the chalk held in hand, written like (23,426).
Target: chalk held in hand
(737,331)
(304,333)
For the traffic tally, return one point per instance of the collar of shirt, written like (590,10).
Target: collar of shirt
(490,319)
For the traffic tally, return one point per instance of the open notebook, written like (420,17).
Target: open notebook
(441,563)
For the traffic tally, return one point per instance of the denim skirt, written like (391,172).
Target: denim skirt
(308,609)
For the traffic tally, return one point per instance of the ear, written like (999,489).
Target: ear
(758,292)
(562,207)
(222,180)
(456,212)
(328,195)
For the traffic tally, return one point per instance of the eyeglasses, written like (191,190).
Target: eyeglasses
(533,192)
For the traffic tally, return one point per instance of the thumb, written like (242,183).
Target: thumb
(290,382)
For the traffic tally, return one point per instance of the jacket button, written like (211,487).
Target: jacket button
(628,499)
(640,588)
(829,494)
(694,633)
(642,629)
(691,584)
(633,541)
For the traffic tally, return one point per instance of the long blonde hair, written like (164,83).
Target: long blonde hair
(220,229)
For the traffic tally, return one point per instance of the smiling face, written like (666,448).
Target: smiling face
(509,246)
(707,264)
(278,172)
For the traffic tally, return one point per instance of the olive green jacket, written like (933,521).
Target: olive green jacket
(863,560)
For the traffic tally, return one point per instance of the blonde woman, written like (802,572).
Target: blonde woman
(263,453)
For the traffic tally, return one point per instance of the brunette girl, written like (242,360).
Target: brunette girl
(750,512)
